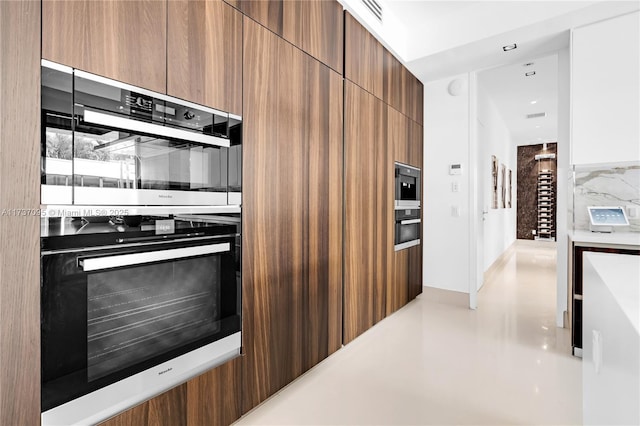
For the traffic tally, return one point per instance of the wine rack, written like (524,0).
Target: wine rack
(546,206)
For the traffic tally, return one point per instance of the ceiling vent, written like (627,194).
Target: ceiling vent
(374,7)
(537,114)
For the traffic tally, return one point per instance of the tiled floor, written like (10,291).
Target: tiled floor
(437,362)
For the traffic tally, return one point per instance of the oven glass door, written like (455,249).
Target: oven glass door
(114,166)
(109,314)
(407,232)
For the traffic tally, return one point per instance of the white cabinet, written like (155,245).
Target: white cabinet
(611,339)
(605,91)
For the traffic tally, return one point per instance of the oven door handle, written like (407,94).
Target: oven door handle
(409,221)
(100,118)
(98,263)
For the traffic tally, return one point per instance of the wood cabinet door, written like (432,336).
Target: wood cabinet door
(364,58)
(415,270)
(360,212)
(166,409)
(205,50)
(398,290)
(292,206)
(122,40)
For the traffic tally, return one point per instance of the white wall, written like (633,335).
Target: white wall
(605,83)
(494,138)
(446,141)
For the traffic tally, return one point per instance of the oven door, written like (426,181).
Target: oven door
(111,316)
(407,228)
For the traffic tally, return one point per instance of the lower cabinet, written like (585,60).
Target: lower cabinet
(212,398)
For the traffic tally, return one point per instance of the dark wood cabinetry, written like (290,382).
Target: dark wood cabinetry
(292,212)
(212,398)
(315,26)
(204,47)
(371,66)
(123,40)
(364,58)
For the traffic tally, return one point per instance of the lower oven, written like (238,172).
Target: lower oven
(407,228)
(133,306)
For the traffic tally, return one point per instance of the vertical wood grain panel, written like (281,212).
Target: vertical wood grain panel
(204,44)
(384,202)
(19,234)
(398,291)
(292,212)
(415,271)
(360,197)
(166,409)
(123,40)
(268,13)
(214,398)
(364,58)
(315,26)
(260,269)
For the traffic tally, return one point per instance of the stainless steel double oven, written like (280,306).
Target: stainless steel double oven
(140,244)
(408,222)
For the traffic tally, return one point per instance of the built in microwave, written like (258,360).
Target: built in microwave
(105,142)
(407,186)
(132,306)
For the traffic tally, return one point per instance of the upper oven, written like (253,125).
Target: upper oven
(109,143)
(132,306)
(407,186)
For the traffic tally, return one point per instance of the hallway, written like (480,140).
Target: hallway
(437,362)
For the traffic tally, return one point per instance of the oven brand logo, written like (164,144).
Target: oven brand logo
(165,371)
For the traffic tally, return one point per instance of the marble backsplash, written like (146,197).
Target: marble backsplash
(605,185)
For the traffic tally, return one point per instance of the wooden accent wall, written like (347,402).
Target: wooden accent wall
(204,47)
(371,66)
(315,26)
(20,229)
(292,212)
(211,399)
(123,40)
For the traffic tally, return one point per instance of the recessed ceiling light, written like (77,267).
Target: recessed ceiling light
(528,64)
(534,102)
(530,73)
(509,47)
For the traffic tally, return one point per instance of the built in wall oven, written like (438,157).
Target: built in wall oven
(408,227)
(105,142)
(133,305)
(407,186)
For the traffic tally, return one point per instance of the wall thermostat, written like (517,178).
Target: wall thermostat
(455,169)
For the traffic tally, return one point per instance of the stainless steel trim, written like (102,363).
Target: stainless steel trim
(110,82)
(82,210)
(235,117)
(137,244)
(409,221)
(408,166)
(406,245)
(99,263)
(407,205)
(103,403)
(577,352)
(234,197)
(92,196)
(577,297)
(155,129)
(56,66)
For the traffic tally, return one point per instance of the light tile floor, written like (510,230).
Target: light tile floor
(437,362)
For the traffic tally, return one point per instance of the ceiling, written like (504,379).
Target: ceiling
(440,39)
(516,95)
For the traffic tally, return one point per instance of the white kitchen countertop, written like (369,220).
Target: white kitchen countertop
(621,274)
(614,238)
